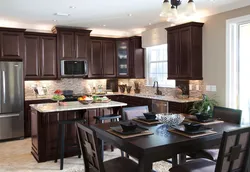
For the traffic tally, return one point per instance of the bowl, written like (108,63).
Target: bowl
(85,102)
(128,126)
(170,119)
(202,116)
(192,126)
(149,115)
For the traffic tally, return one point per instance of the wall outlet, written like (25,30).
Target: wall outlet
(197,87)
(190,87)
(208,88)
(213,88)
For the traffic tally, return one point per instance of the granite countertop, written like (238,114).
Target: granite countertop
(149,96)
(71,106)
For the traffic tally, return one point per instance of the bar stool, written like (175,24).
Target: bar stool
(61,136)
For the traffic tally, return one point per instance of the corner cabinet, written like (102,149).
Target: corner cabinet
(185,51)
(40,60)
(102,61)
(136,57)
(11,44)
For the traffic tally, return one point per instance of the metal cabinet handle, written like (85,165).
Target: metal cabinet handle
(8,116)
(4,88)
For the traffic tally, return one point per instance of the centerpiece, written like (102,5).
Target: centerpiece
(58,96)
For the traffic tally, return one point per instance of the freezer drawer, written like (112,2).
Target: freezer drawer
(11,125)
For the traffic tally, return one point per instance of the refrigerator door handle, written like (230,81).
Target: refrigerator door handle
(8,116)
(4,88)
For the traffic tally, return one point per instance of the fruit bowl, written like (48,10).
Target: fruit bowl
(85,102)
(170,119)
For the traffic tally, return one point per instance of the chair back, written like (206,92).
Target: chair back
(227,114)
(129,113)
(88,145)
(234,151)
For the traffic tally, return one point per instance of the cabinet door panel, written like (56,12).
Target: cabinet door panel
(82,45)
(11,45)
(95,62)
(184,70)
(48,57)
(136,57)
(67,45)
(31,57)
(123,63)
(109,59)
(173,54)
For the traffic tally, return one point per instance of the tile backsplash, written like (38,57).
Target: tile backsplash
(85,86)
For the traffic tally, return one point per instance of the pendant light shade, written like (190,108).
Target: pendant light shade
(191,8)
(166,9)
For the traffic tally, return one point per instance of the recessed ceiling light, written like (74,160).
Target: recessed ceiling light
(72,7)
(130,15)
(104,25)
(150,24)
(62,14)
(54,20)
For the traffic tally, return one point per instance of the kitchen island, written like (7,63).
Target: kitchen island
(44,126)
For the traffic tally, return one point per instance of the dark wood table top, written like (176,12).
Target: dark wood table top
(162,144)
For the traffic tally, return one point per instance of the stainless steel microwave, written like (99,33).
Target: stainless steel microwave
(74,68)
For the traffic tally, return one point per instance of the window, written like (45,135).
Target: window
(157,66)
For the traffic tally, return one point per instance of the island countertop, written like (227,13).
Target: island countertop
(72,106)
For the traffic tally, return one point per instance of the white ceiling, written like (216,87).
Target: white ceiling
(93,14)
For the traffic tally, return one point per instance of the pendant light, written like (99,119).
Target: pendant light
(191,8)
(166,9)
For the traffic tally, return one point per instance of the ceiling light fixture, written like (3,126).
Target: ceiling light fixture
(170,8)
(73,7)
(130,15)
(54,20)
(150,24)
(104,25)
(62,14)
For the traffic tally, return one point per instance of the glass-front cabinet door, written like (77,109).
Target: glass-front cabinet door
(122,58)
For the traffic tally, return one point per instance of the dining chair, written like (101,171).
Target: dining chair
(130,113)
(233,155)
(92,154)
(227,115)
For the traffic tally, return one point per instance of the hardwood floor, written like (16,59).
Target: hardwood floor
(16,156)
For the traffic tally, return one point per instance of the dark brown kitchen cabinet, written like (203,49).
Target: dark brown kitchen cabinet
(11,44)
(102,62)
(175,107)
(136,57)
(185,51)
(40,60)
(72,43)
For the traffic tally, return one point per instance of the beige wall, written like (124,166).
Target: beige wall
(214,50)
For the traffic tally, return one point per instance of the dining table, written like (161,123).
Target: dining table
(162,144)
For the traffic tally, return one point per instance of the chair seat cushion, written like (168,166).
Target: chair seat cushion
(197,165)
(120,164)
(211,154)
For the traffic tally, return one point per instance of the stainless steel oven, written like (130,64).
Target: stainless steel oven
(74,68)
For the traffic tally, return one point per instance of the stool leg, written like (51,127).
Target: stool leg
(62,146)
(58,142)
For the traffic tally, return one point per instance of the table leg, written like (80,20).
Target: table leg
(182,158)
(145,165)
(174,160)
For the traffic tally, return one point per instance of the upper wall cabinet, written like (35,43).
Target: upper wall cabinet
(40,60)
(11,44)
(185,51)
(73,43)
(102,61)
(123,61)
(136,66)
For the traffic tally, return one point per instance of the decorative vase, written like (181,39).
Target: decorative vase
(137,91)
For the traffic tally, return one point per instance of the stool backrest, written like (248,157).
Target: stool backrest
(234,151)
(227,114)
(129,113)
(88,145)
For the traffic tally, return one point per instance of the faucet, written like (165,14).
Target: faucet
(158,92)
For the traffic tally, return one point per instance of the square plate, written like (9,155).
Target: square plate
(119,130)
(143,118)
(182,128)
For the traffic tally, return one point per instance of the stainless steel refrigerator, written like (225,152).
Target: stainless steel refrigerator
(11,100)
